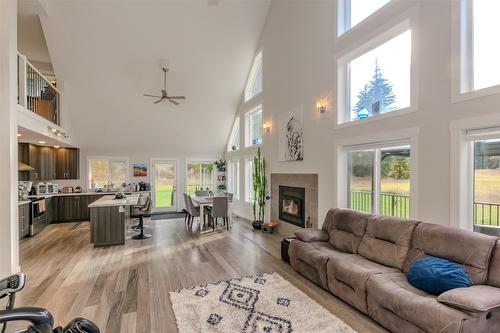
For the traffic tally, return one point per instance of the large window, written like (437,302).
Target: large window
(249,195)
(234,139)
(486,179)
(107,172)
(352,12)
(376,82)
(200,176)
(233,178)
(253,121)
(480,49)
(379,179)
(253,86)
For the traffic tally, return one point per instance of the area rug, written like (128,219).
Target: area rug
(264,303)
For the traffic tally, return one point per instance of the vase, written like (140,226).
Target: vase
(257,225)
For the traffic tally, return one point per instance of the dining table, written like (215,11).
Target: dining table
(207,201)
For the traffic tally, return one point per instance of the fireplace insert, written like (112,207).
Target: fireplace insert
(291,205)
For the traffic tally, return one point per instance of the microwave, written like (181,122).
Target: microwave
(52,188)
(41,188)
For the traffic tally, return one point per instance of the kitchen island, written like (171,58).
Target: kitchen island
(109,218)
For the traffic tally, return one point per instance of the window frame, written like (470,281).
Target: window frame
(408,135)
(248,127)
(200,161)
(252,75)
(249,180)
(236,165)
(109,159)
(235,129)
(344,17)
(343,73)
(462,73)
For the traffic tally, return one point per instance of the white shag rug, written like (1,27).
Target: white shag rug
(264,303)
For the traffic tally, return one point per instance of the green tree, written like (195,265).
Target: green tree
(399,168)
(379,89)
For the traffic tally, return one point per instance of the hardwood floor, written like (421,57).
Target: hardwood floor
(126,288)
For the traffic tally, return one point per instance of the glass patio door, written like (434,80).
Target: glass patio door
(164,193)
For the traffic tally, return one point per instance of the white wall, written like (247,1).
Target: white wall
(9,243)
(300,51)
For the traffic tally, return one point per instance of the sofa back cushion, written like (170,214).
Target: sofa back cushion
(387,240)
(470,249)
(345,227)
(494,269)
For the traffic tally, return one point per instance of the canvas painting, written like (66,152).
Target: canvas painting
(291,135)
(140,170)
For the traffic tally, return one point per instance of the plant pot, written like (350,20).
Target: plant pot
(257,225)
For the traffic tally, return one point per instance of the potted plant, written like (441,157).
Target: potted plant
(259,190)
(221,187)
(220,165)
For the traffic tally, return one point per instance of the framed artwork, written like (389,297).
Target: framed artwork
(291,135)
(140,170)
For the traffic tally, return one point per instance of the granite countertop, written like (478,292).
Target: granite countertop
(23,202)
(110,201)
(82,193)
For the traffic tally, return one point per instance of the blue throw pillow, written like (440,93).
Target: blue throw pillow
(436,275)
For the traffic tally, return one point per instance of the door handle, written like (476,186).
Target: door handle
(174,188)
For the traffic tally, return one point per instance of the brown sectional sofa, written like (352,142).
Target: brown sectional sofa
(362,259)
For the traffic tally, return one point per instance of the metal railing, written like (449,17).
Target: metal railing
(191,189)
(487,213)
(36,93)
(391,204)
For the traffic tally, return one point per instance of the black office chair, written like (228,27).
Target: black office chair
(140,213)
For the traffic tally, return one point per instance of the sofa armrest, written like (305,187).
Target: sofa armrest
(313,236)
(478,298)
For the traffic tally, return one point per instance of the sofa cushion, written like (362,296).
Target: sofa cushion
(312,235)
(347,277)
(392,292)
(494,269)
(471,249)
(387,240)
(345,228)
(437,275)
(478,298)
(310,258)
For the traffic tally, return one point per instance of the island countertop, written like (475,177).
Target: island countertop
(110,201)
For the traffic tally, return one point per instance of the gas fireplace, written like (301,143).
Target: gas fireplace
(291,205)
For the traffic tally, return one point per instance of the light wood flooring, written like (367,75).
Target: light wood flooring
(126,288)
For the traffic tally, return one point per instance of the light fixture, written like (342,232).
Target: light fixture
(267,127)
(57,147)
(42,142)
(321,107)
(19,135)
(54,130)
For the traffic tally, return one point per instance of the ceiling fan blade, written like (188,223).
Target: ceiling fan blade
(147,95)
(164,93)
(158,101)
(177,97)
(173,102)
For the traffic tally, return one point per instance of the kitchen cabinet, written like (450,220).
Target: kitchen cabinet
(47,163)
(67,165)
(24,220)
(30,154)
(51,204)
(73,208)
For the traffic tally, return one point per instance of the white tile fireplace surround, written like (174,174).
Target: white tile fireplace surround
(309,182)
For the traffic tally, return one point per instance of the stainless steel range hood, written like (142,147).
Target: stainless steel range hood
(24,167)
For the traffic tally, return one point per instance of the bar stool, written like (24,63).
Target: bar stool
(140,213)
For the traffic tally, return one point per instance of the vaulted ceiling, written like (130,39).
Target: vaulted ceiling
(108,53)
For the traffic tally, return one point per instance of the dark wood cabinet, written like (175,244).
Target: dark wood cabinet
(49,163)
(73,208)
(51,204)
(24,220)
(67,165)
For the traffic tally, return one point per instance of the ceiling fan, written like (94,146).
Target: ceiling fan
(164,95)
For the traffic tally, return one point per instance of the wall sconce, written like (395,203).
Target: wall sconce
(267,127)
(321,107)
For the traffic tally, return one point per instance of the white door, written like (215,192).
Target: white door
(164,192)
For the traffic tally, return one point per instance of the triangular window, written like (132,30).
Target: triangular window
(254,82)
(234,140)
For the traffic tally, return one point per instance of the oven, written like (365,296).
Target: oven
(38,219)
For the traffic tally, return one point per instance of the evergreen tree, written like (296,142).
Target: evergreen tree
(379,89)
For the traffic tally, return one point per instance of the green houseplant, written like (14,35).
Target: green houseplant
(259,189)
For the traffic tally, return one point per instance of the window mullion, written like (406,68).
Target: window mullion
(376,181)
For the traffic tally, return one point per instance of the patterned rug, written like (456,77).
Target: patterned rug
(264,303)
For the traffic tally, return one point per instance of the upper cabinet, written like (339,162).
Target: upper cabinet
(49,163)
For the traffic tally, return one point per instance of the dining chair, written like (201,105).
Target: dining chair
(229,196)
(186,209)
(193,210)
(201,193)
(219,210)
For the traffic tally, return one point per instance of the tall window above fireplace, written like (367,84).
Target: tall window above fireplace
(292,205)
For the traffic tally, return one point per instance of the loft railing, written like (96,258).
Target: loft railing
(36,93)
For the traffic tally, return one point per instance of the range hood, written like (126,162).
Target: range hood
(24,167)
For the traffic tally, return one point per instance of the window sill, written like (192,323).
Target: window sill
(462,97)
(379,117)
(253,146)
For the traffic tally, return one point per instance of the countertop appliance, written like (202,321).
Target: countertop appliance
(52,188)
(38,216)
(68,189)
(24,189)
(41,189)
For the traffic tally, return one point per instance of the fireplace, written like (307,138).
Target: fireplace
(291,205)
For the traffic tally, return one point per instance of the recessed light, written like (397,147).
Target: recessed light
(57,147)
(41,142)
(19,135)
(54,130)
